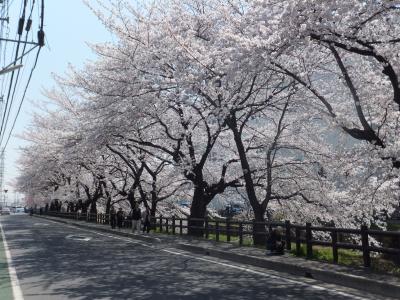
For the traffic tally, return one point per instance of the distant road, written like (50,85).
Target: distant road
(55,261)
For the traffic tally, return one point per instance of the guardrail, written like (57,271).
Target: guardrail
(295,233)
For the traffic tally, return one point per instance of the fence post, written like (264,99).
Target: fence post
(228,230)
(309,240)
(334,246)
(206,227)
(217,231)
(173,224)
(240,233)
(161,223)
(298,244)
(288,235)
(365,246)
(180,226)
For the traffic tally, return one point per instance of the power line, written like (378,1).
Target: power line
(19,31)
(22,100)
(40,44)
(27,29)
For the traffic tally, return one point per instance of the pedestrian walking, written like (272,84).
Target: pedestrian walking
(120,218)
(113,217)
(146,220)
(136,218)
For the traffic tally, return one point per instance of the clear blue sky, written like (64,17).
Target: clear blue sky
(69,24)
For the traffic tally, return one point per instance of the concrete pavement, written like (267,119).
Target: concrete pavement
(61,261)
(352,277)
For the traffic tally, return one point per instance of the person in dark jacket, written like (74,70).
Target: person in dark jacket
(113,217)
(136,217)
(120,218)
(146,220)
(275,243)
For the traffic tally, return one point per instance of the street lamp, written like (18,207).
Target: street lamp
(9,69)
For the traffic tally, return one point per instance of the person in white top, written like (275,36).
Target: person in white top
(136,216)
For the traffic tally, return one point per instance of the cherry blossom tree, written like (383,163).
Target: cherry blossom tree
(293,103)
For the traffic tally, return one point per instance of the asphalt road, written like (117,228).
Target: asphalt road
(56,261)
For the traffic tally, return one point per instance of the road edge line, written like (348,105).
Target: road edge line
(16,288)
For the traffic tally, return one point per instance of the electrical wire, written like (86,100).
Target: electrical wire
(40,44)
(18,72)
(22,99)
(8,103)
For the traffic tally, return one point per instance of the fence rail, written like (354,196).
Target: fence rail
(292,233)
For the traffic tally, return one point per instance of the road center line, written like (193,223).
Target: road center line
(16,288)
(314,286)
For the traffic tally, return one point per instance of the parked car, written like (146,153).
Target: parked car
(184,203)
(5,211)
(231,210)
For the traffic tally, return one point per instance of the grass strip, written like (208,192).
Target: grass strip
(5,283)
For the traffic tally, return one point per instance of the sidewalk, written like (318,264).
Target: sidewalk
(357,278)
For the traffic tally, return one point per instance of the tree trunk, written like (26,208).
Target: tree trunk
(131,198)
(108,205)
(197,212)
(260,237)
(153,209)
(154,201)
(259,229)
(93,207)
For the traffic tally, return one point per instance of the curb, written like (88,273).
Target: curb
(342,279)
(378,287)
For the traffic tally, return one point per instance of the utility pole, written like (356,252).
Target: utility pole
(2,174)
(1,156)
(12,60)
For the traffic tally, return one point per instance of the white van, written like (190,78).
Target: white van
(19,210)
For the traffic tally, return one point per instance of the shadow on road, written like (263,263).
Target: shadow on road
(103,268)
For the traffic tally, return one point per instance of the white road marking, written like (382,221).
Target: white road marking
(40,224)
(314,286)
(78,238)
(16,289)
